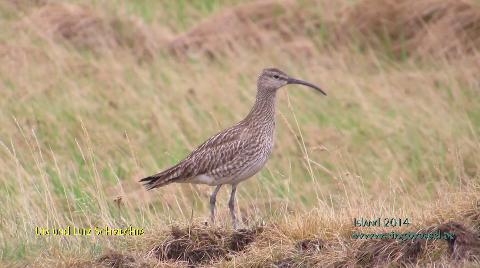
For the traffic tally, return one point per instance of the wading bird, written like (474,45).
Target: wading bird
(236,153)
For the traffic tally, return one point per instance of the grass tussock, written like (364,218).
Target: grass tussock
(85,28)
(464,246)
(404,28)
(419,28)
(291,244)
(200,245)
(255,24)
(95,96)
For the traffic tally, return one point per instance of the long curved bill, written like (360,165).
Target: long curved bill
(301,82)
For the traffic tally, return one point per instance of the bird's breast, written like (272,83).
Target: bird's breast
(250,170)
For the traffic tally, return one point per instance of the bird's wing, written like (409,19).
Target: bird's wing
(213,153)
(241,158)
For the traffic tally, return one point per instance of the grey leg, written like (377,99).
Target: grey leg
(213,200)
(231,205)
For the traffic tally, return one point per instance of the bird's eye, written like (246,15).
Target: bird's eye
(276,76)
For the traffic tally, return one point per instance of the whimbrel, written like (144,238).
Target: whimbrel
(237,153)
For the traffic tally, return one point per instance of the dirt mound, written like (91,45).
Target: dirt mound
(310,244)
(465,245)
(240,239)
(201,245)
(85,28)
(410,27)
(302,256)
(253,25)
(288,263)
(378,252)
(117,260)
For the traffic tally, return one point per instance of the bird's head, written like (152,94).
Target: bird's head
(273,79)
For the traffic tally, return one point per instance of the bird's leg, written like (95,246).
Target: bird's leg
(231,205)
(213,200)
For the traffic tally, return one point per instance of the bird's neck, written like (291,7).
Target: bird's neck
(263,111)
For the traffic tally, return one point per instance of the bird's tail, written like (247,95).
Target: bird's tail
(161,179)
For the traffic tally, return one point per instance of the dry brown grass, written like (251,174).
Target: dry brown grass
(419,28)
(86,28)
(256,24)
(289,243)
(22,5)
(199,245)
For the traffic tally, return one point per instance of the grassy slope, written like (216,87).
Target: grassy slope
(78,129)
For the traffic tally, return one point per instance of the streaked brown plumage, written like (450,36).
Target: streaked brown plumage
(237,153)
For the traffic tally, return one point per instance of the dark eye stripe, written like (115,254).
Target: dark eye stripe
(276,76)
